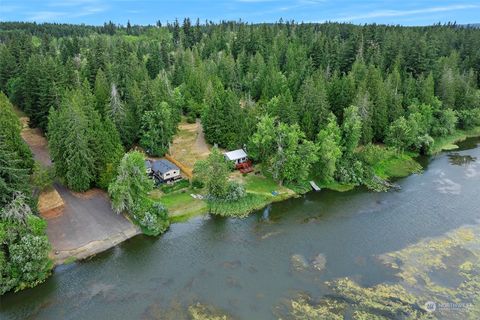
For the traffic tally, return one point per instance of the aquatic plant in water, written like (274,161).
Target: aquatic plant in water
(444,270)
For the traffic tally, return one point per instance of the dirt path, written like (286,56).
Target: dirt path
(189,144)
(37,142)
(200,142)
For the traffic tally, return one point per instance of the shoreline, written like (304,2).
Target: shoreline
(64,257)
(440,146)
(97,246)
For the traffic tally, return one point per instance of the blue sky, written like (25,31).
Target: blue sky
(405,12)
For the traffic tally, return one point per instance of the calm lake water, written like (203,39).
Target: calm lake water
(244,267)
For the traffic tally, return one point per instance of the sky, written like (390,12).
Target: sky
(96,12)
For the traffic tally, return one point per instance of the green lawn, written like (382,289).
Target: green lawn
(242,207)
(180,204)
(336,186)
(264,185)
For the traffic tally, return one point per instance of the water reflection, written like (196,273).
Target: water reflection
(461,160)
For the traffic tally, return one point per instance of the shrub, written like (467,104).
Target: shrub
(168,188)
(197,183)
(350,172)
(235,191)
(372,154)
(445,123)
(151,216)
(424,144)
(24,248)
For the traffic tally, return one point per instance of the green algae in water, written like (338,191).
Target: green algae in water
(200,311)
(351,301)
(445,270)
(450,147)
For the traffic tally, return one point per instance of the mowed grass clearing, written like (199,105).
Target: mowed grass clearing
(263,185)
(180,204)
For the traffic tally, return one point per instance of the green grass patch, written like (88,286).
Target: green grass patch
(180,205)
(337,186)
(261,184)
(396,166)
(300,187)
(70,260)
(450,147)
(240,208)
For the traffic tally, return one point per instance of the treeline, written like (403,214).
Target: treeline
(408,84)
(24,246)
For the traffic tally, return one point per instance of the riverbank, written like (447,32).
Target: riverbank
(449,142)
(262,191)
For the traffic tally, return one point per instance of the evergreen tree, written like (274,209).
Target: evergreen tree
(222,121)
(102,93)
(69,142)
(13,177)
(157,130)
(10,128)
(313,106)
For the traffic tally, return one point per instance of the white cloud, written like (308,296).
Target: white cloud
(42,16)
(402,13)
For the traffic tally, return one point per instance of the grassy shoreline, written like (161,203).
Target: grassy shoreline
(262,191)
(448,143)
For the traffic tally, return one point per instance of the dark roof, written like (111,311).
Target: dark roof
(163,166)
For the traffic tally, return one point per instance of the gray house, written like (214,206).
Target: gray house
(164,170)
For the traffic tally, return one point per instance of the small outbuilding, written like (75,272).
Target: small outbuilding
(166,171)
(237,156)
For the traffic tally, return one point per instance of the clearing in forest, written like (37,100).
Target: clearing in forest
(189,144)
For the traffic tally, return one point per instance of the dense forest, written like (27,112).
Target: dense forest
(298,96)
(24,246)
(304,99)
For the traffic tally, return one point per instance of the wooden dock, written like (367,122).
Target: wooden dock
(314,186)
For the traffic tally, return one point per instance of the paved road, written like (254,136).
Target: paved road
(84,221)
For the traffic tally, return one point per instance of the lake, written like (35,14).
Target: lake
(251,268)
